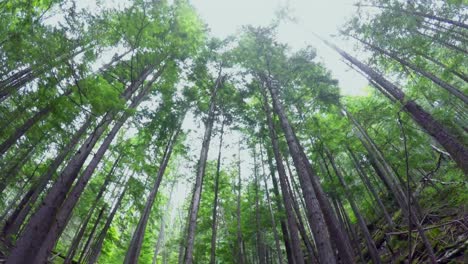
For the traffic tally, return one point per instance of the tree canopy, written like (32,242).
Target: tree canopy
(130,134)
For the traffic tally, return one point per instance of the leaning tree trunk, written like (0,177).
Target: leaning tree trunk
(94,255)
(362,223)
(448,87)
(425,15)
(273,221)
(79,235)
(438,131)
(385,172)
(134,249)
(301,226)
(20,131)
(66,209)
(441,42)
(215,200)
(371,188)
(279,205)
(17,219)
(440,64)
(31,242)
(88,242)
(314,211)
(287,200)
(192,224)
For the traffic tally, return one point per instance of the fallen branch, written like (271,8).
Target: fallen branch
(450,254)
(426,228)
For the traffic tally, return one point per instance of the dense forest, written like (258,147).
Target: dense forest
(129,134)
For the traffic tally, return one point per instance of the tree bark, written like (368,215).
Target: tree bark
(301,226)
(20,131)
(17,219)
(314,211)
(64,213)
(287,200)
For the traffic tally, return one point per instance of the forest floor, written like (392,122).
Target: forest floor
(444,220)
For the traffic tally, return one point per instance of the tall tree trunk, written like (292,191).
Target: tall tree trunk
(79,235)
(371,188)
(351,228)
(362,223)
(215,200)
(442,42)
(96,251)
(453,146)
(385,172)
(284,229)
(17,219)
(425,15)
(273,221)
(440,64)
(301,226)
(451,30)
(163,225)
(133,252)
(64,213)
(201,172)
(287,200)
(88,242)
(43,223)
(314,211)
(451,89)
(20,131)
(22,77)
(259,229)
(335,199)
(241,255)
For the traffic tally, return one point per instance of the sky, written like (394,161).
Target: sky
(323,17)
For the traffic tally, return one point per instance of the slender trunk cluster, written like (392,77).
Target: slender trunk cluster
(457,150)
(134,249)
(192,224)
(47,223)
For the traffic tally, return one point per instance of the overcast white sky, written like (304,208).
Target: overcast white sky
(324,17)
